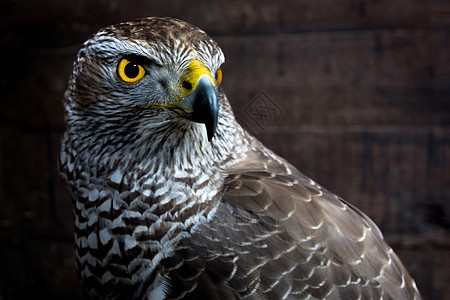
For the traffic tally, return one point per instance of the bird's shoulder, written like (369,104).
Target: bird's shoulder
(279,234)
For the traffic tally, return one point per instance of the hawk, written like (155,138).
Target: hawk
(173,199)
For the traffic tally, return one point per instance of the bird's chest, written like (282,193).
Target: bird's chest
(124,228)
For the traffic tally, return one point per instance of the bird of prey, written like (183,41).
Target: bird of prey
(173,199)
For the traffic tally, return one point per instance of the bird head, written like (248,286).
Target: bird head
(144,77)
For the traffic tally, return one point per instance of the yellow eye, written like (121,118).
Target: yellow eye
(130,71)
(219,76)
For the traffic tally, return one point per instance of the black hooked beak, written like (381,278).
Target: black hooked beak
(201,106)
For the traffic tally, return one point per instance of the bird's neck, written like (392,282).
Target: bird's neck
(143,198)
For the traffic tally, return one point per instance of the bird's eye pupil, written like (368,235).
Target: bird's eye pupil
(132,70)
(187,85)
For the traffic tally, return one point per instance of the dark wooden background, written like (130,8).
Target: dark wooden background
(355,93)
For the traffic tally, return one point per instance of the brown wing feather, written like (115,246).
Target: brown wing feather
(279,235)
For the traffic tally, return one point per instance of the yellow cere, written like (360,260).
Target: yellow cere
(130,71)
(193,73)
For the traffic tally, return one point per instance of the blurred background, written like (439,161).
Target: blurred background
(354,93)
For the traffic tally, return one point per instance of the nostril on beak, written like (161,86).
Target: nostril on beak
(187,85)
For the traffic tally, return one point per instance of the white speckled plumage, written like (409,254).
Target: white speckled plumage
(162,213)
